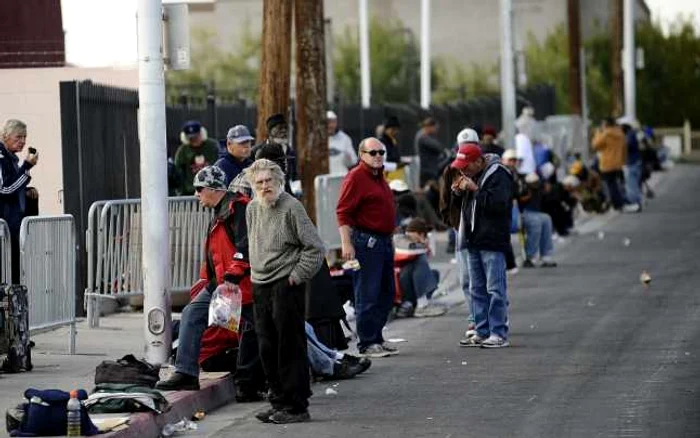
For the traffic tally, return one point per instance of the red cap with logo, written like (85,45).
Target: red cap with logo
(467,153)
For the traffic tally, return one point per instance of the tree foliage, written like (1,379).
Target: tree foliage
(666,86)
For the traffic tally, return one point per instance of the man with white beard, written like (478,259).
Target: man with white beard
(285,251)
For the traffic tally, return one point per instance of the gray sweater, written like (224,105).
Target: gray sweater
(282,241)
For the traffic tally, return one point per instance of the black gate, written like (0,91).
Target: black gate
(99,133)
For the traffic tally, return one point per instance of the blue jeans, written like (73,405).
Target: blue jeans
(538,234)
(193,322)
(418,280)
(373,285)
(462,262)
(321,358)
(633,176)
(488,290)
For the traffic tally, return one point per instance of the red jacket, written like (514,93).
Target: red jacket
(226,258)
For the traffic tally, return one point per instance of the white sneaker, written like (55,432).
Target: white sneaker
(632,208)
(494,341)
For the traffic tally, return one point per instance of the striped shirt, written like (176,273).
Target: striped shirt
(282,241)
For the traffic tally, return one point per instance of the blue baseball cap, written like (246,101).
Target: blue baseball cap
(191,128)
(239,134)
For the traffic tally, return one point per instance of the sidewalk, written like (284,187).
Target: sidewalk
(122,333)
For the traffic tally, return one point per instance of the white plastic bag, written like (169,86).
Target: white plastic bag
(225,308)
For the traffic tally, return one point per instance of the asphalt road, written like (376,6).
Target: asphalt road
(594,353)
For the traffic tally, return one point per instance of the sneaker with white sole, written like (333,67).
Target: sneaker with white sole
(472,341)
(389,348)
(375,351)
(494,341)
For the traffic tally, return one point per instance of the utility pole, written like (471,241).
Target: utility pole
(575,57)
(154,183)
(616,57)
(275,63)
(330,68)
(507,74)
(366,84)
(311,132)
(629,64)
(425,54)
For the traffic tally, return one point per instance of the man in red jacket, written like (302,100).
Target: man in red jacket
(367,219)
(226,251)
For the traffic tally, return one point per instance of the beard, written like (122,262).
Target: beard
(269,200)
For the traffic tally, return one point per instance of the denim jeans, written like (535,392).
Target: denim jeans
(417,280)
(613,182)
(373,285)
(488,290)
(633,176)
(462,262)
(321,358)
(193,322)
(538,234)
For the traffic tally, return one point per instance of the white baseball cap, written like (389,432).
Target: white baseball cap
(330,115)
(510,154)
(532,178)
(467,135)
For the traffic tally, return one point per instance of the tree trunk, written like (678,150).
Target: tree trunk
(574,56)
(311,132)
(275,64)
(616,57)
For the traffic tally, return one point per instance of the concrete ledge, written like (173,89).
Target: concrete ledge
(215,392)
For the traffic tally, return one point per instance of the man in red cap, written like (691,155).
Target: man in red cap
(484,188)
(488,141)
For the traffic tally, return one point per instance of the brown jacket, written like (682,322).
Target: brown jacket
(611,146)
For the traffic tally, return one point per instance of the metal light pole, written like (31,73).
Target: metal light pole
(507,74)
(154,183)
(425,54)
(364,55)
(628,60)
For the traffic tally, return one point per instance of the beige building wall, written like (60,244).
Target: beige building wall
(466,30)
(32,95)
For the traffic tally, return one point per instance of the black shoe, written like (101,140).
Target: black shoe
(248,396)
(265,415)
(528,264)
(363,362)
(344,370)
(286,417)
(179,382)
(548,264)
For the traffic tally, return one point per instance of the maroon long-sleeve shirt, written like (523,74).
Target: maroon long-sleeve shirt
(366,201)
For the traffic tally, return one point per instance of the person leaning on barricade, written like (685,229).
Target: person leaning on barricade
(285,253)
(14,178)
(226,263)
(367,218)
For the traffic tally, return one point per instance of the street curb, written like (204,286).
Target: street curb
(183,404)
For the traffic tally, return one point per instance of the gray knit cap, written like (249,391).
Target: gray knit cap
(241,185)
(211,177)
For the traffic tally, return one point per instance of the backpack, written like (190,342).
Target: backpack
(15,346)
(45,413)
(128,370)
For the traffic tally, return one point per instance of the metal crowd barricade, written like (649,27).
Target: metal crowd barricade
(113,244)
(327,192)
(5,253)
(47,268)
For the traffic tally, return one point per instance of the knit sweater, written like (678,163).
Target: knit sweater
(282,241)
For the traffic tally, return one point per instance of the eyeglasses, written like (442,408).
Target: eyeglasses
(374,152)
(198,189)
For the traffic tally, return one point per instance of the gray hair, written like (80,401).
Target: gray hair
(263,165)
(13,127)
(361,146)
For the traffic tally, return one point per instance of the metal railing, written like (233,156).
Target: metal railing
(5,253)
(113,244)
(48,263)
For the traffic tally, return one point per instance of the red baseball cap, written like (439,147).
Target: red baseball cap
(467,153)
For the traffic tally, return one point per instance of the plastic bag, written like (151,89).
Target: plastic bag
(225,308)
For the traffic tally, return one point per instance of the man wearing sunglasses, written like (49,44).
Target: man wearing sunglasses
(484,188)
(367,218)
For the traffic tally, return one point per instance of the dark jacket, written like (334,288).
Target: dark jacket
(431,153)
(486,213)
(13,189)
(393,154)
(450,206)
(231,166)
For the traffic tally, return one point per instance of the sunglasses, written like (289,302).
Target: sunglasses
(198,189)
(374,152)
